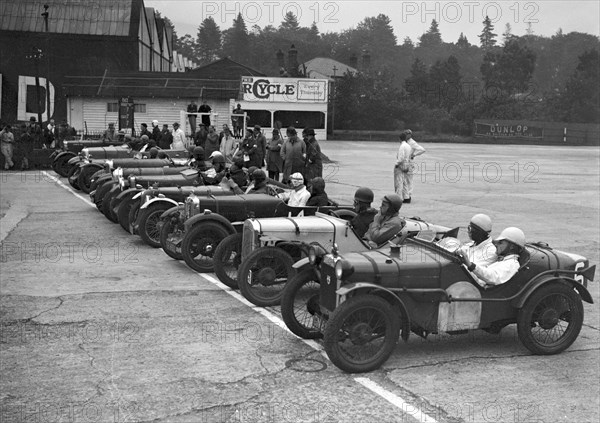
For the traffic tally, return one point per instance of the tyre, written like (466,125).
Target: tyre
(300,304)
(134,210)
(123,213)
(61,164)
(165,232)
(74,176)
(199,244)
(106,207)
(148,218)
(100,193)
(95,179)
(227,260)
(263,275)
(84,180)
(551,318)
(361,333)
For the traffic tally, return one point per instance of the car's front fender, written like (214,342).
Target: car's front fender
(170,212)
(157,200)
(536,283)
(209,217)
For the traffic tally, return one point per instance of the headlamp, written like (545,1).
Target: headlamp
(343,269)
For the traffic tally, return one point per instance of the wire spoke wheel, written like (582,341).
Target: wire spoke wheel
(148,218)
(300,307)
(227,260)
(168,232)
(551,319)
(361,333)
(263,275)
(199,244)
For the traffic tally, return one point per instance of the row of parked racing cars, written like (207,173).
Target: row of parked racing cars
(329,282)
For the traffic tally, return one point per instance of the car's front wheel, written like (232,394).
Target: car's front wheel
(550,319)
(167,230)
(148,219)
(84,180)
(361,333)
(300,305)
(74,176)
(263,275)
(227,260)
(199,244)
(61,164)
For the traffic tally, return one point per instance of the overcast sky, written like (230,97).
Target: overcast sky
(408,18)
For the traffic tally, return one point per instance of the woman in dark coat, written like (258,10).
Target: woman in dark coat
(274,160)
(314,161)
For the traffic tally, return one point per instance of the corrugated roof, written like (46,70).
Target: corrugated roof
(88,17)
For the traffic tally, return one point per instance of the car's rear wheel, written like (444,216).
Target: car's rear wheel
(148,219)
(550,319)
(300,305)
(167,230)
(263,275)
(227,260)
(61,164)
(84,180)
(199,244)
(361,333)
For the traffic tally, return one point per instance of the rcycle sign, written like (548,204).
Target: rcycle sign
(518,130)
(284,89)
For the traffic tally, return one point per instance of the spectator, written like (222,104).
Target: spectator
(166,138)
(293,154)
(50,134)
(200,136)
(212,141)
(314,161)
(228,145)
(25,146)
(7,141)
(179,139)
(192,109)
(110,135)
(250,151)
(156,134)
(144,130)
(261,144)
(274,160)
(416,150)
(237,121)
(205,108)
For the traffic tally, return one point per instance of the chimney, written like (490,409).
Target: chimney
(366,58)
(354,61)
(293,61)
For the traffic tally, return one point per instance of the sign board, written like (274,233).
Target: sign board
(288,90)
(505,130)
(126,107)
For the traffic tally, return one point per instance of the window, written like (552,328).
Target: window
(259,117)
(114,108)
(300,119)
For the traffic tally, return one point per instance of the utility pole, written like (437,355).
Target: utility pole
(335,69)
(36,55)
(45,15)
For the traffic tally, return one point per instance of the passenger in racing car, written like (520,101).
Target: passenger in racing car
(363,197)
(257,186)
(481,249)
(217,172)
(318,196)
(198,156)
(299,195)
(387,222)
(509,245)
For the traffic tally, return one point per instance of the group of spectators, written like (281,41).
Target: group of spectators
(22,139)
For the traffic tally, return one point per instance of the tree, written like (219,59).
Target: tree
(290,22)
(236,41)
(487,37)
(417,83)
(209,40)
(581,99)
(187,46)
(507,34)
(462,42)
(408,43)
(432,37)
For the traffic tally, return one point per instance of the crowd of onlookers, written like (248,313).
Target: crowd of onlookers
(20,140)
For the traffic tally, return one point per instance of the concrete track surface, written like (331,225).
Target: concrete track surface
(98,327)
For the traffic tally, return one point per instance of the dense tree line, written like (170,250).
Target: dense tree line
(428,84)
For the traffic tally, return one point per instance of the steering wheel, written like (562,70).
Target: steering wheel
(272,191)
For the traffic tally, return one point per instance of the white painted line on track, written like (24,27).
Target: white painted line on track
(61,184)
(392,398)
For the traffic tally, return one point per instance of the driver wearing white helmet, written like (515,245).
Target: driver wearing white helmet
(509,245)
(481,249)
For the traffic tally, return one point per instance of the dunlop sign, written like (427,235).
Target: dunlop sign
(517,130)
(289,90)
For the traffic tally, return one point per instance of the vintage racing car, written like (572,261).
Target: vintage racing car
(271,246)
(362,302)
(202,223)
(60,158)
